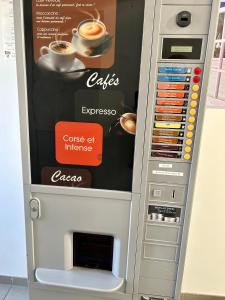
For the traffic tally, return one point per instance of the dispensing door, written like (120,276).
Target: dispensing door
(82,69)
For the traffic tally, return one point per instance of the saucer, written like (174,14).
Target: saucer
(45,63)
(94,52)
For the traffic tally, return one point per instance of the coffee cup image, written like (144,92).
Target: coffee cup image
(128,123)
(91,38)
(61,54)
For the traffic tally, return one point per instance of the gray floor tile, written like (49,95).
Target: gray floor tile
(18,293)
(4,288)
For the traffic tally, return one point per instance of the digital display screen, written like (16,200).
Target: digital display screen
(181,49)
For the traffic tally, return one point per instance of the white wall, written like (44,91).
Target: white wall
(12,237)
(205,261)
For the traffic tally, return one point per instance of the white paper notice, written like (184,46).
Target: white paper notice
(167,173)
(7,29)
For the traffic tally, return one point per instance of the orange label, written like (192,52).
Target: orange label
(171,94)
(171,86)
(79,143)
(174,110)
(170,102)
(164,140)
(168,118)
(166,132)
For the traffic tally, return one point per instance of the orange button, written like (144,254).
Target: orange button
(194,96)
(171,95)
(188,142)
(171,86)
(195,88)
(191,127)
(191,119)
(193,103)
(192,112)
(187,156)
(187,149)
(189,134)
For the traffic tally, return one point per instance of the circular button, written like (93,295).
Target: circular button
(192,112)
(189,134)
(188,142)
(193,103)
(191,127)
(187,149)
(191,119)
(187,156)
(197,71)
(196,79)
(194,96)
(195,88)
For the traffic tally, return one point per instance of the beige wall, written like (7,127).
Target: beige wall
(205,261)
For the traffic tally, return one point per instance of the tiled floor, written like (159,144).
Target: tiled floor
(8,292)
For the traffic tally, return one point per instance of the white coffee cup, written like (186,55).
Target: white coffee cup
(90,41)
(61,53)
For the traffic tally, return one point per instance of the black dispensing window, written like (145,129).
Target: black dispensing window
(93,251)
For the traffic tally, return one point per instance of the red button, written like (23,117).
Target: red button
(196,79)
(197,71)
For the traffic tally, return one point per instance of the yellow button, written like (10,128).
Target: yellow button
(188,142)
(195,88)
(192,112)
(191,119)
(191,127)
(187,156)
(189,134)
(193,103)
(188,149)
(194,96)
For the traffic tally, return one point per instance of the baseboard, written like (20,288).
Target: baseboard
(13,280)
(200,297)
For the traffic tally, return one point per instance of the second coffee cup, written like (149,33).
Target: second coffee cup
(90,32)
(61,54)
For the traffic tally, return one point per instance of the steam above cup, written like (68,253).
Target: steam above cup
(61,54)
(91,33)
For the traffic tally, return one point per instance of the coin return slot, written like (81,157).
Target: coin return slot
(164,213)
(93,251)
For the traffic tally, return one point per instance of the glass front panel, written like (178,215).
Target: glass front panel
(83,64)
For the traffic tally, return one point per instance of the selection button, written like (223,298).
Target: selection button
(193,104)
(191,127)
(194,96)
(188,149)
(191,119)
(188,142)
(189,134)
(187,156)
(192,112)
(196,79)
(197,71)
(195,88)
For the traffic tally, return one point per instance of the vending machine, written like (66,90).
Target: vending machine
(112,96)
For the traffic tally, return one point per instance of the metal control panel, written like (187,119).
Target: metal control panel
(112,96)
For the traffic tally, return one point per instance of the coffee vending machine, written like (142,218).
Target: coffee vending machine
(111,96)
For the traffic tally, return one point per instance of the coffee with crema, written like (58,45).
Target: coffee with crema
(92,30)
(63,48)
